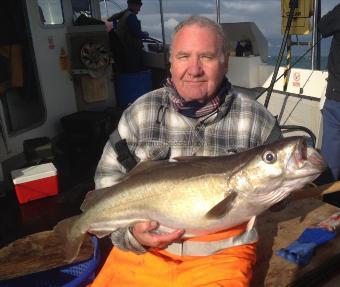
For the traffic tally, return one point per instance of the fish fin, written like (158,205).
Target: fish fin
(222,208)
(251,223)
(101,234)
(93,197)
(145,165)
(70,243)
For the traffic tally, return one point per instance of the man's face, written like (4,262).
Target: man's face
(135,7)
(198,65)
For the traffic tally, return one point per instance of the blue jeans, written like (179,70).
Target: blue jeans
(330,148)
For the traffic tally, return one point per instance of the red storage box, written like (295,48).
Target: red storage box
(35,182)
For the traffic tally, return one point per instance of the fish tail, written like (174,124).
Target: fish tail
(71,240)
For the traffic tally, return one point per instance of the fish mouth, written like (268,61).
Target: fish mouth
(300,154)
(308,159)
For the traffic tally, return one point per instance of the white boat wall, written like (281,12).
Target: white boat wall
(55,86)
(64,83)
(298,104)
(301,103)
(62,90)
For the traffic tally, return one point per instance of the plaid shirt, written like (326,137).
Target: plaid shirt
(154,130)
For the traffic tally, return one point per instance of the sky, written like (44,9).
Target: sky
(265,13)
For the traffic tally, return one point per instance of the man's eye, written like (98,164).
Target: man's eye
(181,57)
(207,57)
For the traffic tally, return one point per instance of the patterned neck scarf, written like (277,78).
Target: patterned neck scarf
(194,109)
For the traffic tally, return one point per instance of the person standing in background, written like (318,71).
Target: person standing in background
(127,29)
(330,148)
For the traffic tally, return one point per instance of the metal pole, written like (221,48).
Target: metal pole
(286,75)
(107,12)
(316,55)
(288,62)
(165,54)
(218,12)
(162,21)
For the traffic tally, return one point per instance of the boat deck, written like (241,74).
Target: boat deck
(76,179)
(279,229)
(17,220)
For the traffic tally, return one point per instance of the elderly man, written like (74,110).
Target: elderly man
(196,113)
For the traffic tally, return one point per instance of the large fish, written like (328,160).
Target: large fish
(202,195)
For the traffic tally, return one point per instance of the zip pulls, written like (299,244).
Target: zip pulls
(161,115)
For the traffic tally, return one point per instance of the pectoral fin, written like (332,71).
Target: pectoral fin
(222,208)
(251,223)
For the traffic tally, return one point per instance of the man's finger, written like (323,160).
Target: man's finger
(168,237)
(145,226)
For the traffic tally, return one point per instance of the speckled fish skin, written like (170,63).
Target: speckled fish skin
(202,195)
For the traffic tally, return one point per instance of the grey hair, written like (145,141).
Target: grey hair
(202,22)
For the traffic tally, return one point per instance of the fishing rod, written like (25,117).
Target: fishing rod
(298,60)
(293,4)
(294,127)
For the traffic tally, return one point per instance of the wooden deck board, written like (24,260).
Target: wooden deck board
(279,229)
(37,252)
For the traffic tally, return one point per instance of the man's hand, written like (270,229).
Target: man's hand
(142,232)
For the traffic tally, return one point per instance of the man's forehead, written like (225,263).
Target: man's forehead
(196,51)
(187,41)
(196,27)
(192,33)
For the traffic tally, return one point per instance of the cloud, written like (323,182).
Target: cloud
(171,23)
(248,6)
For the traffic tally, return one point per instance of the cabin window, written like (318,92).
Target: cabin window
(81,8)
(20,95)
(108,8)
(50,12)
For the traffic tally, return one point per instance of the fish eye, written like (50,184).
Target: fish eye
(269,157)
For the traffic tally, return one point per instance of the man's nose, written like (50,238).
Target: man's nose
(195,67)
